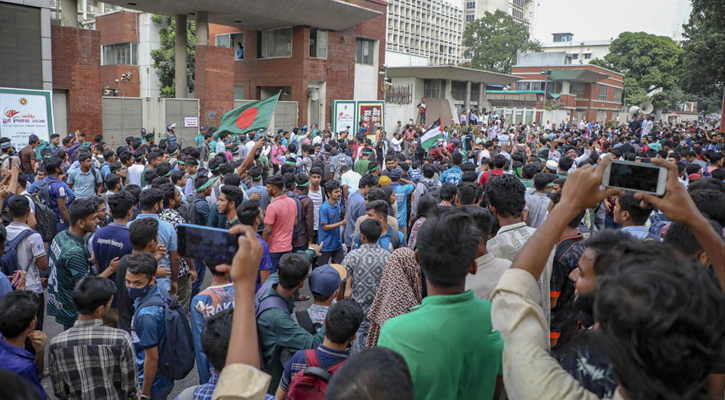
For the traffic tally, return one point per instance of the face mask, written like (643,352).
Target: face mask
(134,293)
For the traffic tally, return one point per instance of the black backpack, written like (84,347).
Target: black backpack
(300,217)
(46,222)
(9,260)
(188,211)
(432,189)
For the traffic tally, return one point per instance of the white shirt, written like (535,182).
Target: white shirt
(395,143)
(29,250)
(487,275)
(646,127)
(134,174)
(352,180)
(316,198)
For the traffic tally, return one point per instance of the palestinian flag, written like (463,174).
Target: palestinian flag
(433,133)
(251,116)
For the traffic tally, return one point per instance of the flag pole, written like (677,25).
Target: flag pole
(273,111)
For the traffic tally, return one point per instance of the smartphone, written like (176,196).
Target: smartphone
(212,245)
(636,177)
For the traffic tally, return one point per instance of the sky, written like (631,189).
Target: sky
(605,19)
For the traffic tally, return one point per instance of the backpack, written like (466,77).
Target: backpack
(42,192)
(188,211)
(9,259)
(395,239)
(45,220)
(260,306)
(305,321)
(432,189)
(343,161)
(311,383)
(300,217)
(176,356)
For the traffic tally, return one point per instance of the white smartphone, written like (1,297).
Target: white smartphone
(636,177)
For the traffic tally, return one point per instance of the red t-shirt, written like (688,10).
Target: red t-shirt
(490,173)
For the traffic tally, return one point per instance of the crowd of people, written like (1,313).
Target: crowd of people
(490,265)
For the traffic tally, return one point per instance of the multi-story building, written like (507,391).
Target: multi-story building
(577,52)
(523,11)
(87,11)
(429,28)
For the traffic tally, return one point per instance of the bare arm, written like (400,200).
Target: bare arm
(174,261)
(63,211)
(150,365)
(267,232)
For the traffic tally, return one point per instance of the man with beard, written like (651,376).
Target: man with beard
(597,374)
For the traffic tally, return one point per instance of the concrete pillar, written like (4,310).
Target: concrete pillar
(69,13)
(180,56)
(482,98)
(202,28)
(565,87)
(467,99)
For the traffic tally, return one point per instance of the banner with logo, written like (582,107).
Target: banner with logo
(374,113)
(26,112)
(343,115)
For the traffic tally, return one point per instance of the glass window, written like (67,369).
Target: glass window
(222,41)
(119,54)
(470,17)
(238,92)
(318,43)
(364,51)
(470,4)
(231,41)
(587,56)
(617,95)
(275,43)
(575,56)
(579,89)
(603,90)
(434,88)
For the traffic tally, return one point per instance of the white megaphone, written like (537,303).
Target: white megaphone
(645,108)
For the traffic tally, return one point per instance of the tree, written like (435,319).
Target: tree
(494,41)
(704,52)
(647,61)
(164,57)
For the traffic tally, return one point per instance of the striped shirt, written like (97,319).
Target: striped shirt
(91,361)
(68,264)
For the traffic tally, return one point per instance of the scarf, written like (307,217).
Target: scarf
(400,289)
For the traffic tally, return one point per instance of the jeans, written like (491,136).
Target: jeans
(275,260)
(422,118)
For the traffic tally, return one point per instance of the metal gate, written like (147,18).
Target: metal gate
(176,111)
(122,117)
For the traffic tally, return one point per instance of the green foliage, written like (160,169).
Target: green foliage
(704,53)
(647,61)
(494,40)
(164,56)
(551,105)
(610,124)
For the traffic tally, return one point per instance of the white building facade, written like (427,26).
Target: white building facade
(577,52)
(523,11)
(428,28)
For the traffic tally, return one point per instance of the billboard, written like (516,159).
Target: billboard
(372,111)
(26,112)
(343,115)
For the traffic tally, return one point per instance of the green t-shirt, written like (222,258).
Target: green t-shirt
(656,146)
(68,264)
(449,345)
(361,166)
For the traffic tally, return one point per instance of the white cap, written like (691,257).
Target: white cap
(170,127)
(552,165)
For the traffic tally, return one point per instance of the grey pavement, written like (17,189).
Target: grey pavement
(52,328)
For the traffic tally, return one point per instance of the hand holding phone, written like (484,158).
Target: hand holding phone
(650,178)
(211,245)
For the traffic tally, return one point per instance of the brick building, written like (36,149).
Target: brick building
(310,65)
(551,90)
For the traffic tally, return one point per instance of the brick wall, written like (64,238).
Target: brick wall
(118,27)
(214,82)
(77,69)
(109,74)
(337,70)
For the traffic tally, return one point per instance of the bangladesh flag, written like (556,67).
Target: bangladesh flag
(251,116)
(431,135)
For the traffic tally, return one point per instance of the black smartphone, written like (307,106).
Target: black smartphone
(211,245)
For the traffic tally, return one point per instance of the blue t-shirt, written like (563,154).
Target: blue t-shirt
(22,362)
(5,286)
(208,302)
(167,236)
(57,189)
(108,243)
(148,330)
(84,184)
(401,198)
(453,175)
(385,241)
(329,214)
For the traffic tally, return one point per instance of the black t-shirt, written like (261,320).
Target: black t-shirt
(123,302)
(566,259)
(626,148)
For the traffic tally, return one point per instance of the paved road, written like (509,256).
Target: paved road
(51,328)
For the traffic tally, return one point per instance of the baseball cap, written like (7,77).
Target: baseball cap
(170,127)
(203,128)
(384,181)
(143,131)
(5,145)
(551,164)
(324,281)
(396,174)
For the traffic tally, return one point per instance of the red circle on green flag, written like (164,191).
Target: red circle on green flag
(246,118)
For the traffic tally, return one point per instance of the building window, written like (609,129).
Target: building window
(519,3)
(563,37)
(119,54)
(617,95)
(274,43)
(231,41)
(603,93)
(364,51)
(470,4)
(575,56)
(238,92)
(434,88)
(518,14)
(579,89)
(318,43)
(587,56)
(470,17)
